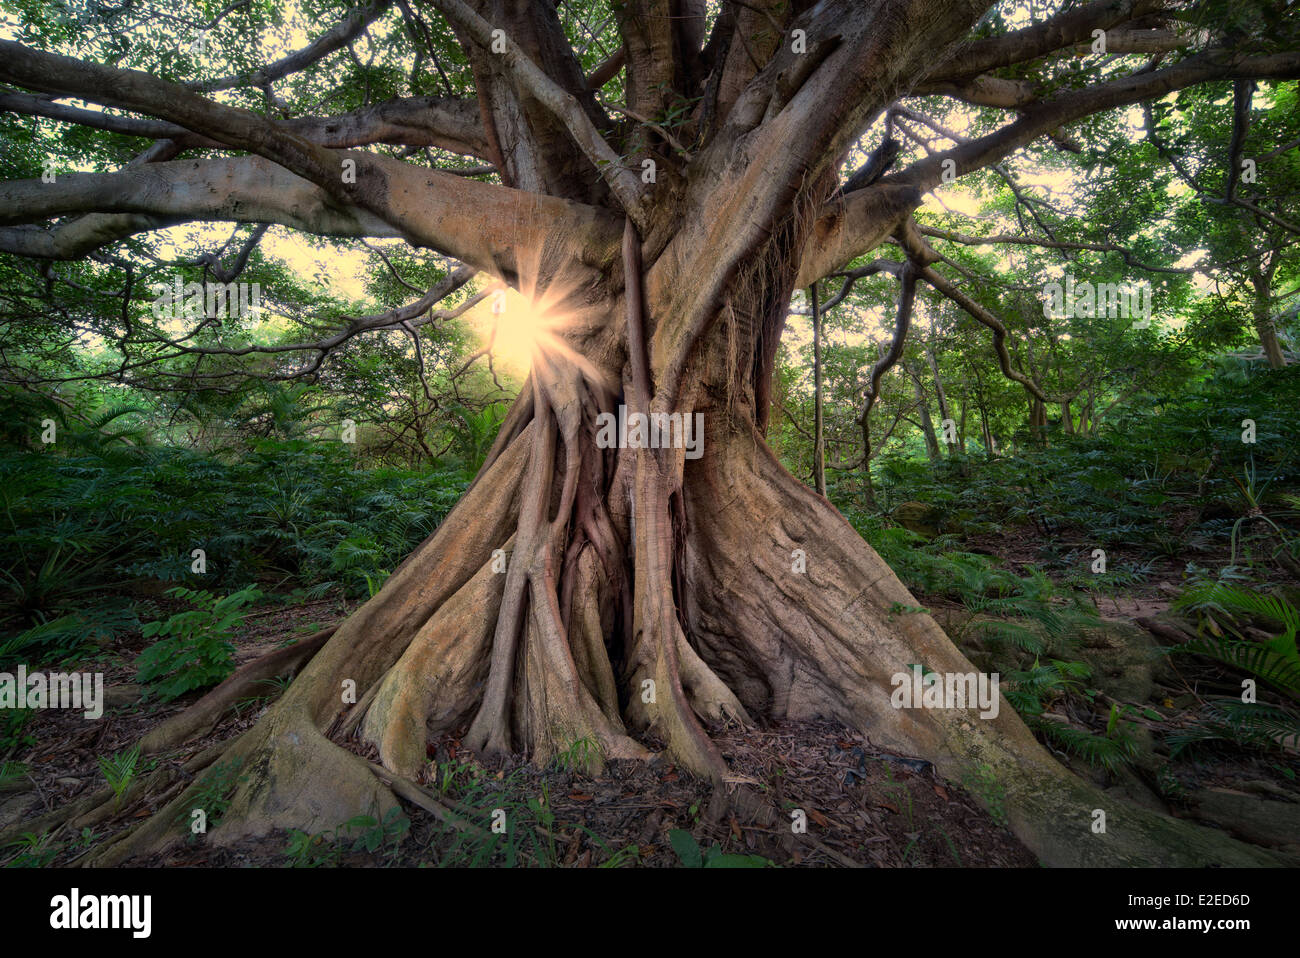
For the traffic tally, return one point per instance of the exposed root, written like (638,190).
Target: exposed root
(745,595)
(824,642)
(201,717)
(424,799)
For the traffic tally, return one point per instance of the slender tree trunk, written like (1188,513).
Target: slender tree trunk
(1262,310)
(927,424)
(819,433)
(941,397)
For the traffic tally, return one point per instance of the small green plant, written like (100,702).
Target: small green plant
(360,833)
(196,651)
(120,771)
(1274,660)
(213,794)
(1251,725)
(14,731)
(11,774)
(582,756)
(693,856)
(34,851)
(87,838)
(306,850)
(983,783)
(373,834)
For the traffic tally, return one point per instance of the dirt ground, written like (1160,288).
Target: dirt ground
(862,806)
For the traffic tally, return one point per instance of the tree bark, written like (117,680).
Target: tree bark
(940,396)
(819,430)
(923,408)
(1262,311)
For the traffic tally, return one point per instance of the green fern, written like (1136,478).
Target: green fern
(1275,661)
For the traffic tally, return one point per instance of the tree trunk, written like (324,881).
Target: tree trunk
(927,424)
(819,430)
(629,566)
(940,396)
(1262,310)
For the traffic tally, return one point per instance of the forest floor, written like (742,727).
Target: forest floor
(863,806)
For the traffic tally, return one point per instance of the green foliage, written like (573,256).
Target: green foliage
(32,851)
(372,835)
(196,650)
(693,856)
(213,794)
(14,731)
(11,773)
(357,834)
(120,771)
(1250,725)
(1108,751)
(294,513)
(70,635)
(1274,660)
(1234,626)
(982,782)
(582,756)
(1178,451)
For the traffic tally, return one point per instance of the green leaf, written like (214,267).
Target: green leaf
(686,847)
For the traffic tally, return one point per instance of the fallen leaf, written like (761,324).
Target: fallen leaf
(818,817)
(888,806)
(580,797)
(735,828)
(941,792)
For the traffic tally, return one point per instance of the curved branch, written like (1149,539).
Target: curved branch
(1055,33)
(917,248)
(343,33)
(1047,115)
(239,189)
(564,105)
(967,239)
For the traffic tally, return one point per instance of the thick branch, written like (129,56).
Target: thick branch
(920,251)
(1055,33)
(564,105)
(1047,115)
